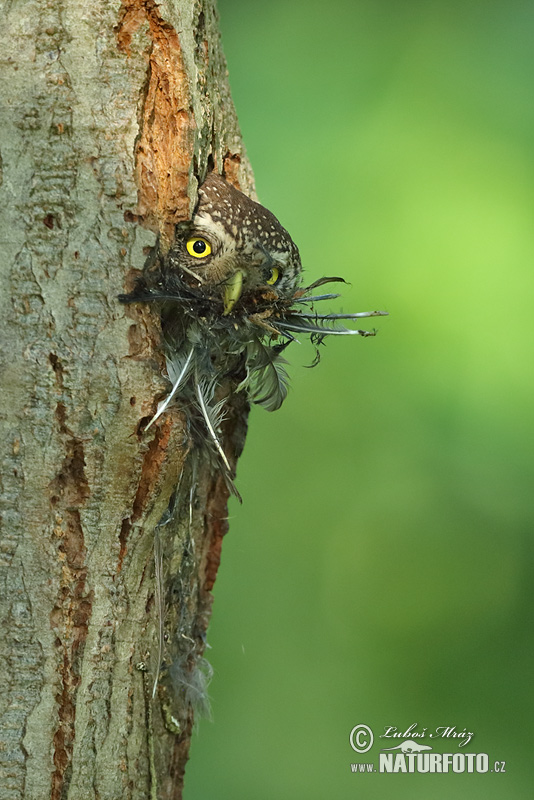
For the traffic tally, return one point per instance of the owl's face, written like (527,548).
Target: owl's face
(236,247)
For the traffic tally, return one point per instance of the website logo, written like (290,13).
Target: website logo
(413,756)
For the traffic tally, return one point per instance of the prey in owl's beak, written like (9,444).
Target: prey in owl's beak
(265,273)
(232,291)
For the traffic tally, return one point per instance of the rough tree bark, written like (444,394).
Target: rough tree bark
(112,112)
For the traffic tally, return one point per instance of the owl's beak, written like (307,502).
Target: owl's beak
(232,291)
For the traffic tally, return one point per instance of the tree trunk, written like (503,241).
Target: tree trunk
(111,115)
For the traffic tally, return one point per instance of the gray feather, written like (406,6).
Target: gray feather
(267,381)
(344,316)
(212,417)
(301,324)
(178,371)
(313,298)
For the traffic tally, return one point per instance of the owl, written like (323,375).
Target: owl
(231,301)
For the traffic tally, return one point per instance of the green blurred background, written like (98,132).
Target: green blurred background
(379,570)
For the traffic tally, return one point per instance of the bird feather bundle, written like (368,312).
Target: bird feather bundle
(267,381)
(230,303)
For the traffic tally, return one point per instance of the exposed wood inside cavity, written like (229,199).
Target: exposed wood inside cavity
(167,125)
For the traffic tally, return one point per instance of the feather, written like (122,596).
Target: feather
(213,416)
(267,380)
(313,298)
(191,675)
(212,423)
(317,283)
(303,325)
(343,316)
(171,369)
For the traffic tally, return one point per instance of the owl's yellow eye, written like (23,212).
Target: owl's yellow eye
(274,276)
(198,247)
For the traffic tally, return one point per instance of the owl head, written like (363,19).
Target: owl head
(235,267)
(235,248)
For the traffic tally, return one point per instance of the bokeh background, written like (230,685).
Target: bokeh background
(379,570)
